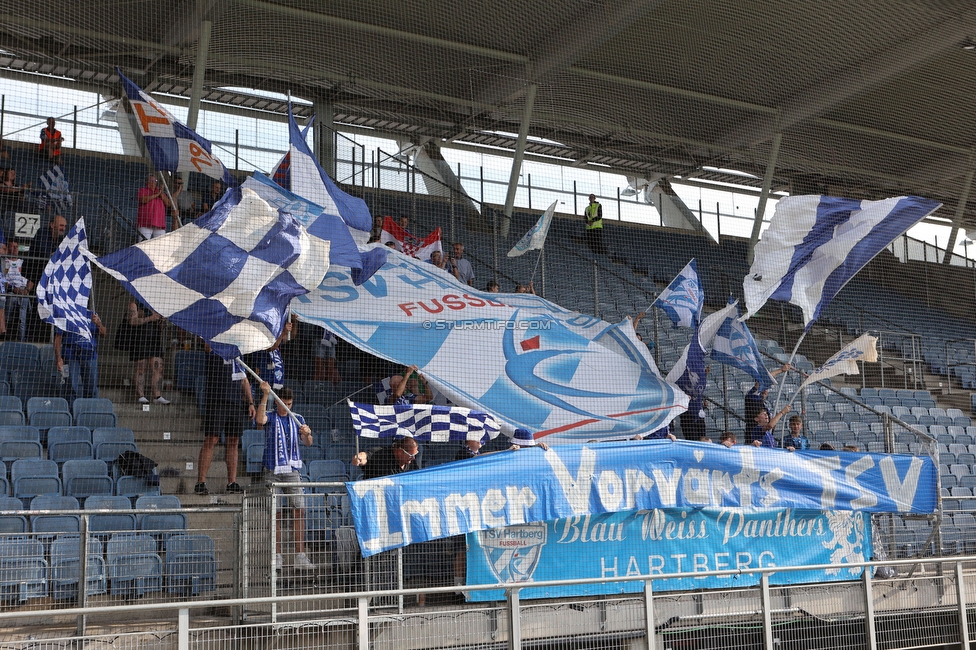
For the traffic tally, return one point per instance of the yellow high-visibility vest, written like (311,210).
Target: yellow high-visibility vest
(592,211)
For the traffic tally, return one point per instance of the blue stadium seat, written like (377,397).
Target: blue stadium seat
(106,524)
(188,365)
(11,403)
(14,524)
(11,418)
(253,438)
(134,567)
(11,450)
(82,478)
(112,434)
(134,486)
(162,525)
(23,570)
(30,477)
(47,405)
(96,420)
(68,434)
(191,565)
(66,567)
(92,405)
(45,420)
(20,433)
(110,451)
(65,451)
(51,525)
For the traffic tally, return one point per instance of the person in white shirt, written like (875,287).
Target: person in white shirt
(460,266)
(19,285)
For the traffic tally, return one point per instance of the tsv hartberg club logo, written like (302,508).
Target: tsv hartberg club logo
(513,553)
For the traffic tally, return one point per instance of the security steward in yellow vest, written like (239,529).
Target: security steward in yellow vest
(594,226)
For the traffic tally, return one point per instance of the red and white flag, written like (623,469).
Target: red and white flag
(411,244)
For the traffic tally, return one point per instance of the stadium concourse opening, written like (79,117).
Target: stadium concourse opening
(465,333)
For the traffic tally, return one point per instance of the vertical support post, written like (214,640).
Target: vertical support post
(74,129)
(542,253)
(963,607)
(957,219)
(83,572)
(725,395)
(363,623)
(183,625)
(274,550)
(870,633)
(519,155)
(494,243)
(528,178)
(199,70)
(596,290)
(764,194)
(649,614)
(657,344)
(767,612)
(324,134)
(237,149)
(514,619)
(399,558)
(3,112)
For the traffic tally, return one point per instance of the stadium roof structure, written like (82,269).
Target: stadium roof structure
(871,97)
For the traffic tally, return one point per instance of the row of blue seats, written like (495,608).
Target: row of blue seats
(129,566)
(47,412)
(161,524)
(76,478)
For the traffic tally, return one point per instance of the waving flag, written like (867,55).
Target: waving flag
(735,346)
(815,244)
(411,244)
(343,250)
(703,339)
(425,422)
(300,172)
(863,348)
(64,288)
(535,239)
(172,145)
(56,190)
(683,299)
(565,376)
(229,276)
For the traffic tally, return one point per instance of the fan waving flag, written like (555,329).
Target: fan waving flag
(301,173)
(171,145)
(56,190)
(410,244)
(63,291)
(844,362)
(426,422)
(704,336)
(735,346)
(815,244)
(535,239)
(684,298)
(229,276)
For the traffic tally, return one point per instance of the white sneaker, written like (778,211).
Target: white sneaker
(279,562)
(143,400)
(161,400)
(303,563)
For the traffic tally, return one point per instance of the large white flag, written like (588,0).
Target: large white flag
(535,239)
(815,244)
(863,348)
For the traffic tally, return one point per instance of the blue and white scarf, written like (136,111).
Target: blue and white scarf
(286,457)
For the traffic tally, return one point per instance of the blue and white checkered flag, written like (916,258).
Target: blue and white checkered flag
(56,190)
(229,276)
(422,422)
(63,291)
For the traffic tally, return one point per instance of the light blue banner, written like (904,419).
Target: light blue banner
(532,485)
(654,542)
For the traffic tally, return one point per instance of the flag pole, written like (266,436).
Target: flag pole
(536,267)
(779,393)
(291,414)
(172,203)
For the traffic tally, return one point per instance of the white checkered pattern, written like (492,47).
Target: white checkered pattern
(422,422)
(62,293)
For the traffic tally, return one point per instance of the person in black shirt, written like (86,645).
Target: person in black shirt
(396,459)
(229,401)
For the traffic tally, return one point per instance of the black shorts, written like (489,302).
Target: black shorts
(225,418)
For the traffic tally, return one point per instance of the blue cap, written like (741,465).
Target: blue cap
(523,438)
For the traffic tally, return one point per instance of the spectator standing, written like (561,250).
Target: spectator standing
(51,141)
(151,220)
(593,213)
(147,352)
(410,388)
(282,462)
(755,399)
(460,266)
(795,439)
(761,434)
(45,242)
(82,356)
(11,194)
(385,461)
(18,287)
(216,193)
(186,206)
(228,404)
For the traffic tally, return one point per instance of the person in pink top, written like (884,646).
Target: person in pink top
(153,202)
